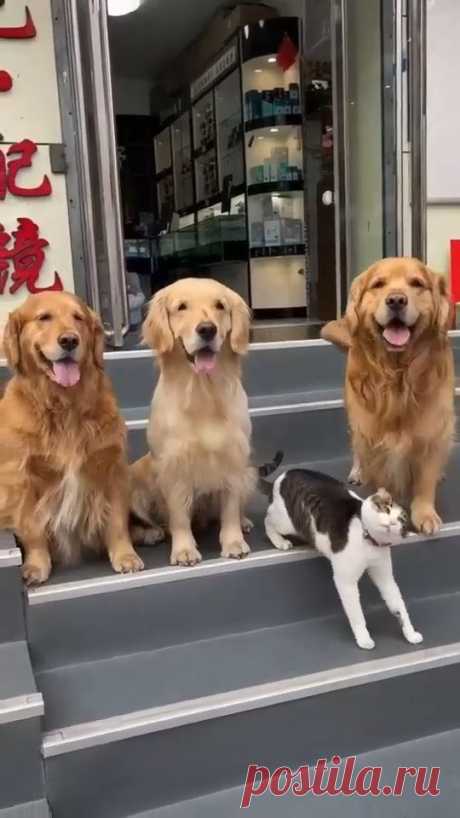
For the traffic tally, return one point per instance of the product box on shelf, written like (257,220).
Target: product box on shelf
(272,232)
(292,231)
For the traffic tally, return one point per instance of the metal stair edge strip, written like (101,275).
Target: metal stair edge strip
(270,409)
(10,557)
(118,582)
(168,717)
(18,708)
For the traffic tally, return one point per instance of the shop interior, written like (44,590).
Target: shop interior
(224,135)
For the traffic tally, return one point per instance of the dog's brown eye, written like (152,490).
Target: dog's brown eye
(377,285)
(46,316)
(182,306)
(219,305)
(78,317)
(416,282)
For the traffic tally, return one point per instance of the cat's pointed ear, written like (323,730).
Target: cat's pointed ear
(382,500)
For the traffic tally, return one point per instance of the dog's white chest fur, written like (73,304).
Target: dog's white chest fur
(67,512)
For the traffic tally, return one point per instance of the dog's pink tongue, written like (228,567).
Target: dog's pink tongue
(205,361)
(397,336)
(66,373)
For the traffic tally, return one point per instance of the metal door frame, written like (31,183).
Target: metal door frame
(403,93)
(82,187)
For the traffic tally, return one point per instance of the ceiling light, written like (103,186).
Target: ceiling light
(257,70)
(116,8)
(274,130)
(271,59)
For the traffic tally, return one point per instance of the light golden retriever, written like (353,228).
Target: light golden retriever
(63,473)
(199,430)
(400,381)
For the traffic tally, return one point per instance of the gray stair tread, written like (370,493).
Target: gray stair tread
(158,556)
(442,750)
(16,678)
(100,689)
(33,809)
(7,540)
(260,401)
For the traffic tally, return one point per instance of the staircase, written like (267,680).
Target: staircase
(160,688)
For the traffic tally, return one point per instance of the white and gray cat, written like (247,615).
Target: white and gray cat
(353,534)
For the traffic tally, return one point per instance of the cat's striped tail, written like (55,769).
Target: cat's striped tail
(264,471)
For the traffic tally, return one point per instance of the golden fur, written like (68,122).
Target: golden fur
(400,403)
(63,472)
(199,430)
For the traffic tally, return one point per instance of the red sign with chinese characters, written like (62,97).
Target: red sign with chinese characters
(26,255)
(22,251)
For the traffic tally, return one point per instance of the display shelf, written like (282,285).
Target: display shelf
(182,159)
(272,122)
(163,151)
(275,187)
(279,251)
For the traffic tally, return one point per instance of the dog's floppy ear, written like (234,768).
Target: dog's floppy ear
(341,332)
(443,304)
(97,338)
(241,321)
(156,331)
(355,295)
(11,340)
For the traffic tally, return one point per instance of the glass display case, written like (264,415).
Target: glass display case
(205,148)
(274,164)
(233,163)
(182,162)
(230,132)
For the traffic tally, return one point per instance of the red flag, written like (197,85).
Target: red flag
(287,53)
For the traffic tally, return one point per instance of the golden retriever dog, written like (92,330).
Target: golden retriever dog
(63,472)
(199,429)
(399,388)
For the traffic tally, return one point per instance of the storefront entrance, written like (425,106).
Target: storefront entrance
(260,144)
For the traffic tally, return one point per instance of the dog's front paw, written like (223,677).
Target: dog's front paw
(185,555)
(126,562)
(235,550)
(424,518)
(36,569)
(355,477)
(365,641)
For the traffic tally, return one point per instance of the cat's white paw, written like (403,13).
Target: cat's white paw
(282,544)
(414,637)
(365,642)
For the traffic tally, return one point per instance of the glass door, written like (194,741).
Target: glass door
(351,143)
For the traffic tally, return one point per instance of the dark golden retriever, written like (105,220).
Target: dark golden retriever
(63,472)
(199,431)
(400,381)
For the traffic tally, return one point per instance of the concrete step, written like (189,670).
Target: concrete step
(269,369)
(156,759)
(21,709)
(33,809)
(305,425)
(439,750)
(299,364)
(137,681)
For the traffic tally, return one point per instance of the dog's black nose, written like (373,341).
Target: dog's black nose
(68,341)
(396,301)
(206,330)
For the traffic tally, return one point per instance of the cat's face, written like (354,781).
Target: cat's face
(385,520)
